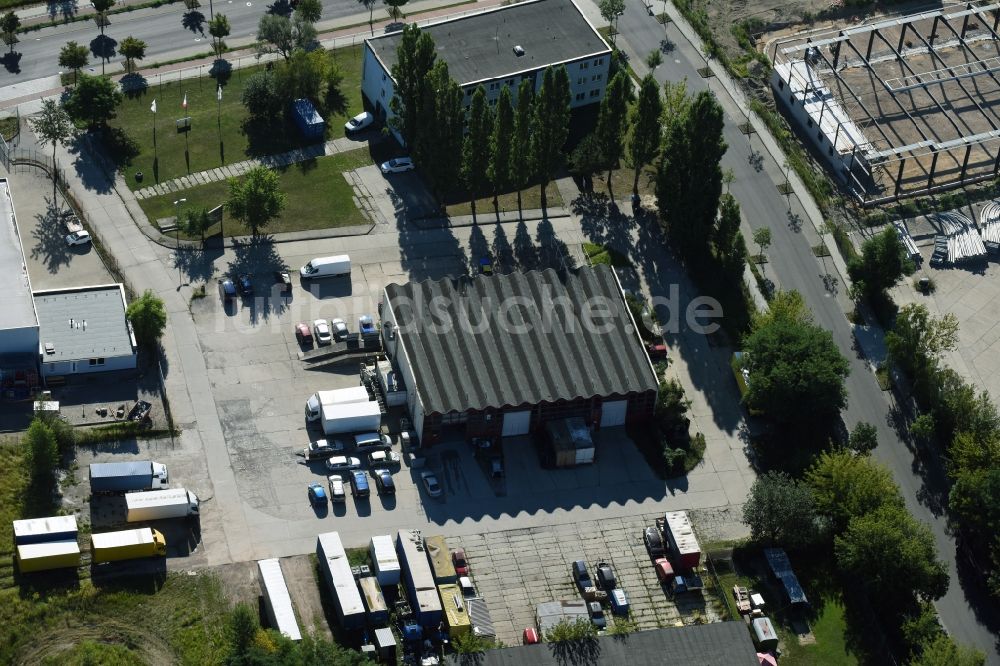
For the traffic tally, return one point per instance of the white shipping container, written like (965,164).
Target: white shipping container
(342,418)
(340,579)
(384,561)
(277,600)
(161,504)
(35,530)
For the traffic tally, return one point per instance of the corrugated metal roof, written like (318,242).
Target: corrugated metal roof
(479,613)
(519,339)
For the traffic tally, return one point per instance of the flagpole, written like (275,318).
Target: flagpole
(187,130)
(218,98)
(156,170)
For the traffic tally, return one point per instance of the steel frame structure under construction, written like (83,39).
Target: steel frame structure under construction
(900,107)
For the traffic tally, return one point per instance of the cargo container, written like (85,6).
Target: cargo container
(315,403)
(340,418)
(42,530)
(680,536)
(419,580)
(161,504)
(49,555)
(440,557)
(340,580)
(117,478)
(568,443)
(456,614)
(764,635)
(371,593)
(127,545)
(385,564)
(277,602)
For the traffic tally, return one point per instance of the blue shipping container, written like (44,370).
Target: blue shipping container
(310,123)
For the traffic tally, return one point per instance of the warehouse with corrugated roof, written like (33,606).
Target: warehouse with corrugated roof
(500,355)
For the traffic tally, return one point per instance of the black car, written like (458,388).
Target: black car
(605,576)
(384,482)
(227,290)
(246,284)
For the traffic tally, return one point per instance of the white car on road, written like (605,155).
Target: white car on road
(78,238)
(359,122)
(397,165)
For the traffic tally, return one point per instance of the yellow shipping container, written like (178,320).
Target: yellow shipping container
(50,555)
(456,613)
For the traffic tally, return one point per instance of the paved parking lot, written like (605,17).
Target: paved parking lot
(515,570)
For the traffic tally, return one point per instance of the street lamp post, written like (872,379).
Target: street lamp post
(177,236)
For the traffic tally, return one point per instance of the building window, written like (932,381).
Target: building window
(595,93)
(383,76)
(95,362)
(599,61)
(493,102)
(580,96)
(595,77)
(584,65)
(580,81)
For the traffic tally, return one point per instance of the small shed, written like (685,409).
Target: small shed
(570,442)
(308,120)
(385,643)
(764,634)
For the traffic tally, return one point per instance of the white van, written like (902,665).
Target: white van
(327,267)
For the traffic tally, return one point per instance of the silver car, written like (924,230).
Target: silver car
(343,464)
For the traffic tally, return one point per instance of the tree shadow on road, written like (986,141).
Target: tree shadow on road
(194,21)
(103,47)
(64,8)
(12,62)
(258,257)
(50,239)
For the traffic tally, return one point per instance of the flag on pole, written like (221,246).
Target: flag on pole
(218,94)
(184,104)
(153,106)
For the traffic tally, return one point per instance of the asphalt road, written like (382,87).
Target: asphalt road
(169,29)
(795,267)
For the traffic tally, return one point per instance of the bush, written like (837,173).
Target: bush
(120,146)
(260,97)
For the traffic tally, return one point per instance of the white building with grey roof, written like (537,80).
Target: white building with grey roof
(84,329)
(501,47)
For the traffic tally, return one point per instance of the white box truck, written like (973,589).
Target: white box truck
(315,403)
(340,418)
(321,267)
(161,504)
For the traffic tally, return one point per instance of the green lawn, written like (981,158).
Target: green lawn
(831,645)
(601,254)
(216,135)
(531,199)
(317,196)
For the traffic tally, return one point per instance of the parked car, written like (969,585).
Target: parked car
(597,615)
(605,576)
(284,279)
(530,636)
(227,290)
(343,464)
(654,541)
(359,122)
(317,496)
(581,576)
(365,325)
(359,484)
(461,564)
(339,328)
(245,283)
(397,165)
(302,332)
(371,441)
(384,482)
(664,570)
(496,467)
(337,494)
(656,351)
(322,330)
(78,238)
(383,458)
(431,485)
(322,449)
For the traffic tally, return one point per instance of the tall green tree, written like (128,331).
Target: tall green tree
(644,139)
(9,23)
(846,486)
(219,29)
(587,159)
(796,371)
(894,556)
(394,8)
(730,248)
(779,510)
(279,34)
(612,120)
(442,119)
(689,179)
(521,165)
(415,58)
(942,650)
(133,49)
(863,439)
(256,199)
(148,317)
(197,222)
(476,148)
(74,56)
(762,237)
(42,450)
(917,343)
(102,7)
(53,125)
(882,263)
(241,630)
(309,10)
(94,100)
(611,11)
(550,125)
(499,171)
(370,6)
(260,97)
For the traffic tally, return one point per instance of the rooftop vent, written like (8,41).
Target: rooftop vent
(50,348)
(519,50)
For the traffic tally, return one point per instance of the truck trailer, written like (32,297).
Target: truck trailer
(127,545)
(117,478)
(277,601)
(344,396)
(440,557)
(456,613)
(420,589)
(43,530)
(161,505)
(340,418)
(340,580)
(385,563)
(683,543)
(49,555)
(371,592)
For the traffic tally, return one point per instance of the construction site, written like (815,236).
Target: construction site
(900,107)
